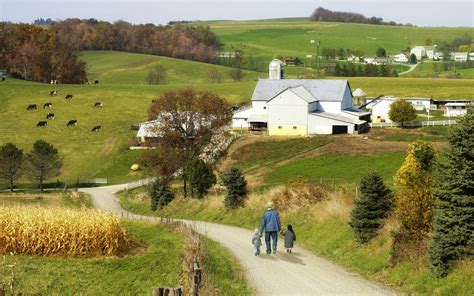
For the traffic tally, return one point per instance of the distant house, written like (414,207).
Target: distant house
(148,131)
(432,52)
(301,107)
(471,56)
(226,54)
(456,109)
(369,60)
(290,61)
(419,52)
(381,107)
(400,58)
(380,61)
(459,56)
(353,59)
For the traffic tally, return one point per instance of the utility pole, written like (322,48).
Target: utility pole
(317,55)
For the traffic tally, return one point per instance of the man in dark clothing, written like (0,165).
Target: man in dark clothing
(271,225)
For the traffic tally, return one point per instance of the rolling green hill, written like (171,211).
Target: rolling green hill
(266,38)
(126,98)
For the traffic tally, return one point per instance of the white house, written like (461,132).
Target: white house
(419,51)
(381,106)
(459,56)
(147,131)
(353,59)
(369,60)
(455,109)
(400,58)
(432,52)
(301,107)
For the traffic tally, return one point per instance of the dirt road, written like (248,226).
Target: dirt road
(299,273)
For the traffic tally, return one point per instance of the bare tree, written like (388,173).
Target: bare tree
(157,75)
(236,74)
(214,76)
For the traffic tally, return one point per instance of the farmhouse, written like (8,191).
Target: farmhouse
(432,52)
(456,109)
(300,107)
(381,106)
(459,56)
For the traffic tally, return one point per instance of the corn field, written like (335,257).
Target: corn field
(58,231)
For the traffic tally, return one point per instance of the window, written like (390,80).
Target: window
(279,127)
(454,107)
(295,127)
(264,108)
(463,107)
(245,119)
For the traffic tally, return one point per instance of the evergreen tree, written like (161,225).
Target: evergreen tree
(371,208)
(454,208)
(236,187)
(11,159)
(413,59)
(43,162)
(381,52)
(201,177)
(160,194)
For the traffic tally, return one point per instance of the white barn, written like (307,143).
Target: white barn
(381,106)
(419,52)
(455,109)
(301,107)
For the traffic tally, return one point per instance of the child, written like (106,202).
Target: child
(257,241)
(290,238)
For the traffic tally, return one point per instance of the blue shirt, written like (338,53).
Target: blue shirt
(271,221)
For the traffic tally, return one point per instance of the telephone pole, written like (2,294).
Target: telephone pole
(317,55)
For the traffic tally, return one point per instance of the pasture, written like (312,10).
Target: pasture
(265,38)
(125,101)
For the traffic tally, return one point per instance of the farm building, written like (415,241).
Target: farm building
(419,52)
(456,109)
(147,131)
(381,106)
(459,56)
(301,107)
(432,52)
(290,61)
(400,58)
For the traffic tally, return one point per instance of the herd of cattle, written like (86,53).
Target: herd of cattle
(50,116)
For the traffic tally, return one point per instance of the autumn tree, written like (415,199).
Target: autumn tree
(428,41)
(414,202)
(454,207)
(43,162)
(371,208)
(11,159)
(188,121)
(214,76)
(402,112)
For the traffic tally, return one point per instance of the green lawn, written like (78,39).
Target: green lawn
(429,68)
(343,169)
(156,264)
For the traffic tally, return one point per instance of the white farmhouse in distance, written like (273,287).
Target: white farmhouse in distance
(300,107)
(419,52)
(455,109)
(400,58)
(380,107)
(459,56)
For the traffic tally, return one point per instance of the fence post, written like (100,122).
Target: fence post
(357,192)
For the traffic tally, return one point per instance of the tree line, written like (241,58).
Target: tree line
(325,15)
(433,203)
(42,53)
(353,70)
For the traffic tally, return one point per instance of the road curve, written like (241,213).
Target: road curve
(299,273)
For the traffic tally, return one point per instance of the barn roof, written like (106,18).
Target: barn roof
(321,90)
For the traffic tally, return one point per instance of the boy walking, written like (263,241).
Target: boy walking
(257,241)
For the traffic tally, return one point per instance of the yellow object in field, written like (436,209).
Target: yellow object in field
(135,167)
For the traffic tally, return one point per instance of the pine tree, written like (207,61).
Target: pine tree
(236,187)
(454,209)
(160,194)
(371,208)
(201,177)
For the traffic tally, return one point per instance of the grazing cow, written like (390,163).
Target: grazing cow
(3,78)
(50,116)
(42,123)
(96,82)
(31,107)
(98,104)
(47,105)
(53,93)
(71,122)
(96,128)
(68,97)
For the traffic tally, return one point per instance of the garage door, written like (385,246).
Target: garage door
(339,129)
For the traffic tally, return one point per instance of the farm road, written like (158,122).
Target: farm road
(300,273)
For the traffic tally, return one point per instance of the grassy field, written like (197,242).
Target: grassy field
(265,38)
(70,200)
(125,102)
(427,69)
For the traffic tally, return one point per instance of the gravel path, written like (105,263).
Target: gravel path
(299,273)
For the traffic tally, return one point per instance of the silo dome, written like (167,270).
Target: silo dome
(275,69)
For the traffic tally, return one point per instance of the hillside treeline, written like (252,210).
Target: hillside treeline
(325,15)
(35,53)
(40,53)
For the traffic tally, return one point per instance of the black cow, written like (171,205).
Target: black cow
(47,105)
(50,116)
(96,128)
(68,97)
(31,107)
(98,104)
(71,122)
(42,123)
(96,82)
(53,93)
(3,78)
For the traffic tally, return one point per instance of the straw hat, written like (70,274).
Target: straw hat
(269,205)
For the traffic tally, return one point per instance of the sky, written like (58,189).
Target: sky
(418,12)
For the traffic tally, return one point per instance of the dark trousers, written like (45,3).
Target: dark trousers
(274,236)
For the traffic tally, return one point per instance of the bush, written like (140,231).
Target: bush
(371,208)
(160,194)
(236,187)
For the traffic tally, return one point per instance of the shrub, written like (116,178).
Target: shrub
(160,194)
(371,208)
(236,187)
(45,232)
